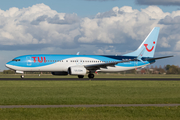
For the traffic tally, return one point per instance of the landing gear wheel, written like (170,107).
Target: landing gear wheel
(80,76)
(22,76)
(91,76)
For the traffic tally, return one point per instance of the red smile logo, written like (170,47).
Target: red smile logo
(149,50)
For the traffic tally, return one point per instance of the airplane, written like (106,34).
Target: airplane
(79,65)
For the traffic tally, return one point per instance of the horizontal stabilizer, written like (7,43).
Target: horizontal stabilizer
(159,58)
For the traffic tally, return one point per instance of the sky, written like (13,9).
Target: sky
(93,27)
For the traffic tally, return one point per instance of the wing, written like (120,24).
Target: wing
(112,64)
(105,65)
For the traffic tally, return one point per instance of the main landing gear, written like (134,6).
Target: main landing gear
(91,76)
(80,76)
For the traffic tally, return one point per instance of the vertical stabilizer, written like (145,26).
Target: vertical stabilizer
(149,44)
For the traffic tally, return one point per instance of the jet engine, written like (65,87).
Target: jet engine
(77,70)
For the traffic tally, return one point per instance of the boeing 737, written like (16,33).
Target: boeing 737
(81,64)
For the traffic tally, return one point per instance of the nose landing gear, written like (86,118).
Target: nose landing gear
(22,76)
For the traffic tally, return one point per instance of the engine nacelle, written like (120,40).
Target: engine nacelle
(77,70)
(59,73)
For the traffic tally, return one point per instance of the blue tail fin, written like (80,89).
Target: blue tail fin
(149,44)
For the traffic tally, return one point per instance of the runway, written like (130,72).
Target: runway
(95,79)
(76,106)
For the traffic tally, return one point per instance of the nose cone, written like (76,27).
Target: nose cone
(8,65)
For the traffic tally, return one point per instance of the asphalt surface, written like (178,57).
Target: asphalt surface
(76,106)
(98,79)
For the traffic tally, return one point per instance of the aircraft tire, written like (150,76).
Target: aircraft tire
(22,76)
(80,76)
(91,76)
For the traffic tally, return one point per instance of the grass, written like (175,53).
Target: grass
(105,113)
(100,75)
(88,92)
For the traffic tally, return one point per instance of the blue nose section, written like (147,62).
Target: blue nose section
(9,65)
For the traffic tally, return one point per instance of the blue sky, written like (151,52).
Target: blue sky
(89,26)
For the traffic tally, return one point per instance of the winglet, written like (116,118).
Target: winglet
(141,55)
(77,53)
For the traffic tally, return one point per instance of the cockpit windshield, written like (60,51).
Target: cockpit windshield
(16,60)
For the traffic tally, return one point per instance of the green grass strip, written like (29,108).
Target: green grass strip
(88,92)
(100,75)
(101,113)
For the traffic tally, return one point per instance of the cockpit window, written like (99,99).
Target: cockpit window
(16,60)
